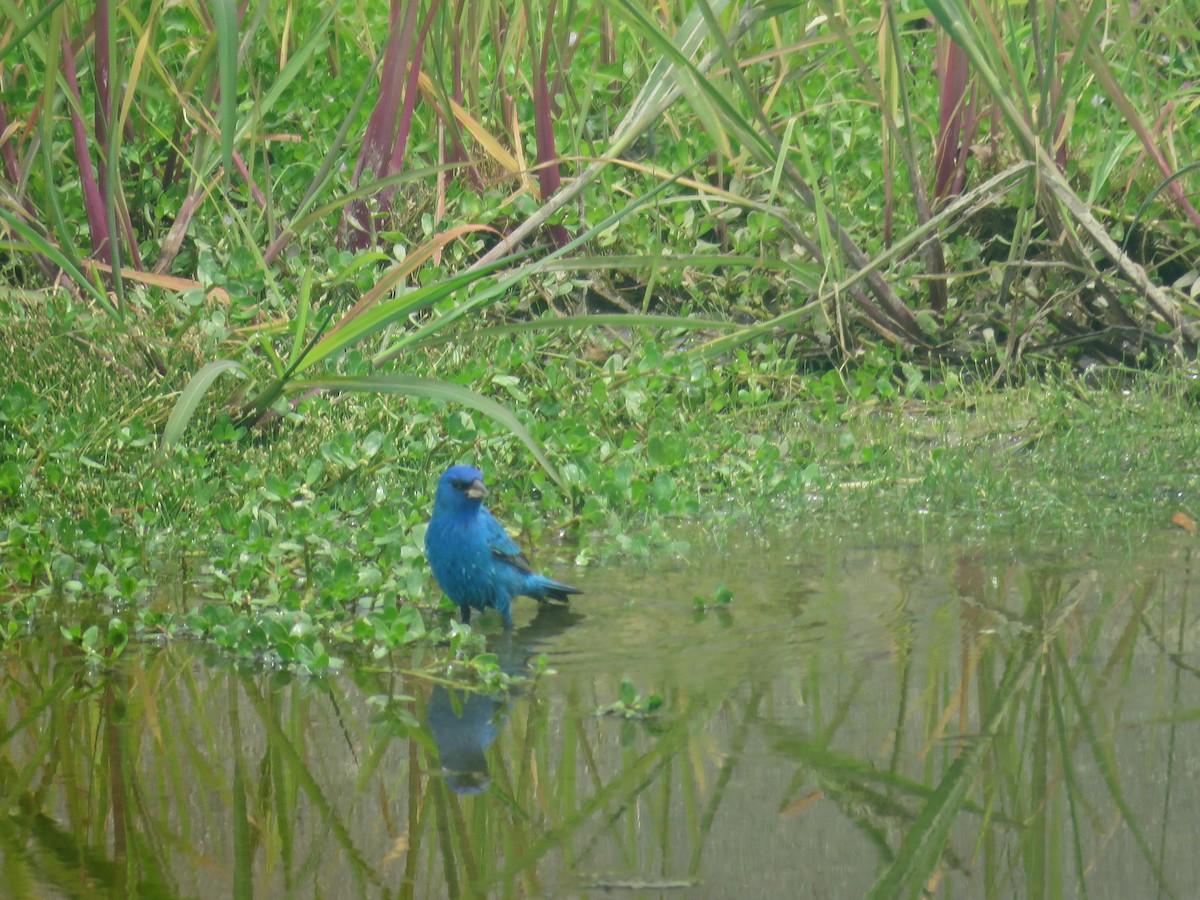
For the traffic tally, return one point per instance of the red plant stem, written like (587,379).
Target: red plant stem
(255,191)
(12,173)
(102,38)
(549,177)
(93,200)
(457,152)
(410,96)
(508,106)
(953,138)
(380,136)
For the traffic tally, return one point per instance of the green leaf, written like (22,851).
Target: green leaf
(628,693)
(118,634)
(348,333)
(189,399)
(224,14)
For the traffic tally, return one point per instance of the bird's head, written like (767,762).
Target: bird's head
(460,486)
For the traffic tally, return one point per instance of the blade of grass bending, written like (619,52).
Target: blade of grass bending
(491,145)
(708,101)
(325,173)
(1104,169)
(433,389)
(133,85)
(950,217)
(300,323)
(653,99)
(614,320)
(888,311)
(662,84)
(317,39)
(189,399)
(405,267)
(383,314)
(1101,72)
(492,291)
(266,398)
(302,218)
(1158,189)
(678,263)
(953,17)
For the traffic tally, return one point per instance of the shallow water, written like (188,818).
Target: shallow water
(986,722)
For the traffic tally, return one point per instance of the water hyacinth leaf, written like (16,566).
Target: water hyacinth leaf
(628,693)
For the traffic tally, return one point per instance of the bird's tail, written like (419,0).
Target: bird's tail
(542,588)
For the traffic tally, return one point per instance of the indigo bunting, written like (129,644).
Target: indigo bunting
(475,562)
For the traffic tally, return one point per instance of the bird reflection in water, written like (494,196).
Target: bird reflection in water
(465,723)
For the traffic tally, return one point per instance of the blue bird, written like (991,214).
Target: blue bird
(476,563)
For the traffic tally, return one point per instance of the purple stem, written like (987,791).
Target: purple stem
(549,177)
(93,200)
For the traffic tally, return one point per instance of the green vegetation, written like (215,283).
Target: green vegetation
(667,272)
(301,544)
(630,704)
(268,276)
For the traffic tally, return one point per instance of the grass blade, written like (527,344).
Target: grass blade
(189,399)
(226,21)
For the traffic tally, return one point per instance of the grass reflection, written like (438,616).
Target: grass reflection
(947,724)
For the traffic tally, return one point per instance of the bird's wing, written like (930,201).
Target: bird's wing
(503,546)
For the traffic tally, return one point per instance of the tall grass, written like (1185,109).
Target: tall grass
(833,157)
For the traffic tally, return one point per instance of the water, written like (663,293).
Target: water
(986,723)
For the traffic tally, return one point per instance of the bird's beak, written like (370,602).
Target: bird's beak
(476,490)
